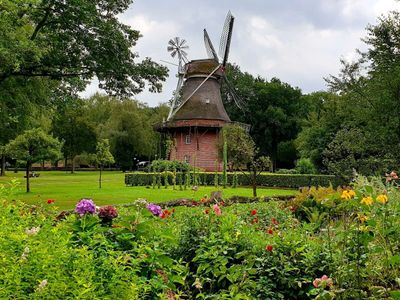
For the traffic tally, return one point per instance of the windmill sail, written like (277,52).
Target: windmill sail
(226,37)
(209,47)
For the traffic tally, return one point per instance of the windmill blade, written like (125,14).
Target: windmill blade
(238,101)
(209,47)
(175,103)
(226,36)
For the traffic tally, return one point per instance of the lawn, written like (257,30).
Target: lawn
(66,189)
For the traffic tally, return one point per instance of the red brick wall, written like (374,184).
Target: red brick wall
(203,149)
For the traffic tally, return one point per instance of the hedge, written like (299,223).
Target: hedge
(266,179)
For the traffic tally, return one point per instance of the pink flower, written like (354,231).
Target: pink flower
(217,210)
(316,282)
(323,282)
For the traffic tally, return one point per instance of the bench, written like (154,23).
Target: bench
(33,175)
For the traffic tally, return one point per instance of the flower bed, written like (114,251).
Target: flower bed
(325,244)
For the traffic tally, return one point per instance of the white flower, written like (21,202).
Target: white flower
(42,285)
(25,253)
(32,231)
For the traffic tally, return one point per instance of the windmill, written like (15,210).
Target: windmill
(177,47)
(197,113)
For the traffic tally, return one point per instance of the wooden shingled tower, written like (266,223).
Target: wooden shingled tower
(197,112)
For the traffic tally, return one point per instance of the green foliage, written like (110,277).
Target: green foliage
(305,166)
(277,109)
(240,148)
(356,126)
(51,39)
(33,146)
(243,179)
(103,154)
(243,251)
(165,165)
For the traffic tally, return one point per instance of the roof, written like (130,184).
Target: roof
(206,102)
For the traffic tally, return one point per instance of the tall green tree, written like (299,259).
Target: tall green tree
(74,39)
(273,109)
(33,146)
(72,125)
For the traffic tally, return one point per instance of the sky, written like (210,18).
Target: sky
(298,41)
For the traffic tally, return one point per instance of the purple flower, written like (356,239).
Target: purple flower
(85,206)
(154,209)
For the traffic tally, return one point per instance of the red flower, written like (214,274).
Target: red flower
(173,211)
(254,221)
(270,231)
(269,248)
(253,212)
(50,201)
(165,214)
(274,221)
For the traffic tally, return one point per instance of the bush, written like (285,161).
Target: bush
(305,166)
(169,165)
(265,179)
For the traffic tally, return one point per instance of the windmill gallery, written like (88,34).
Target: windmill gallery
(197,113)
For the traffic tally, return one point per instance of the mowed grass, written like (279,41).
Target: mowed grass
(66,189)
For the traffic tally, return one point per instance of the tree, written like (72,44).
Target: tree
(357,124)
(72,125)
(74,39)
(21,105)
(103,155)
(273,109)
(33,146)
(129,126)
(240,146)
(256,166)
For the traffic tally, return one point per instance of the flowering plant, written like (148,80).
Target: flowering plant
(154,209)
(108,212)
(85,206)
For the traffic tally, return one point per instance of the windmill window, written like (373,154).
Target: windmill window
(188,139)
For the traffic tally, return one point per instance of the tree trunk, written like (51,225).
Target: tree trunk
(73,165)
(254,182)
(3,165)
(28,167)
(101,168)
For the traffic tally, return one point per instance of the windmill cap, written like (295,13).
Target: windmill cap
(202,67)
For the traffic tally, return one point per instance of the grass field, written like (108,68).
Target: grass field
(66,189)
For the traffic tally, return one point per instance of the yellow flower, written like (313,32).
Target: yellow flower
(348,194)
(382,198)
(362,218)
(367,201)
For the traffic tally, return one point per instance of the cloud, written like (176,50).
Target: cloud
(298,41)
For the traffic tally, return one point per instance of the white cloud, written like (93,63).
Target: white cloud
(299,42)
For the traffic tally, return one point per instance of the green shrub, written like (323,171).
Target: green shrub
(265,179)
(305,166)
